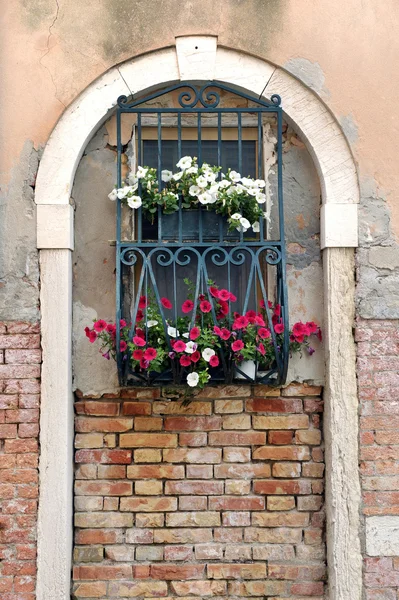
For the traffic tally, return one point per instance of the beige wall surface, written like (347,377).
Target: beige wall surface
(346,52)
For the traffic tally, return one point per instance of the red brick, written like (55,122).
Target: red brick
(194,487)
(233,438)
(234,571)
(155,472)
(98,536)
(8,431)
(23,357)
(178,553)
(192,439)
(148,440)
(192,423)
(87,424)
(22,416)
(277,487)
(199,471)
(20,341)
(274,405)
(29,400)
(281,437)
(103,572)
(28,430)
(20,446)
(22,327)
(308,588)
(167,572)
(201,456)
(103,488)
(282,453)
(136,408)
(8,401)
(148,423)
(242,471)
(97,408)
(104,456)
(19,371)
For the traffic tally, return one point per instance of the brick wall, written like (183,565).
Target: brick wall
(20,359)
(223,497)
(378,377)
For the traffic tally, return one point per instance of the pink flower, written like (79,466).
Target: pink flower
(144,363)
(251,316)
(139,341)
(279,327)
(224,295)
(195,356)
(150,354)
(166,303)
(224,307)
(92,336)
(122,346)
(217,330)
(106,355)
(312,327)
(140,332)
(261,349)
(214,361)
(262,304)
(225,334)
(194,333)
(100,325)
(122,323)
(187,306)
(299,331)
(111,328)
(277,310)
(205,306)
(233,298)
(143,302)
(185,360)
(139,316)
(264,333)
(137,354)
(214,291)
(87,331)
(240,323)
(259,320)
(179,346)
(237,346)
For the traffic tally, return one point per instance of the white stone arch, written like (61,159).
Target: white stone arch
(197,58)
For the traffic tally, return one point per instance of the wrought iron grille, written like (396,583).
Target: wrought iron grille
(154,260)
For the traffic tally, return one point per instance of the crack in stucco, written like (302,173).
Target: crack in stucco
(46,52)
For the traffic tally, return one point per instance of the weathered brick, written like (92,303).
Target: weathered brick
(236,519)
(178,553)
(148,504)
(150,520)
(182,536)
(228,534)
(199,471)
(286,422)
(88,554)
(22,415)
(199,588)
(192,423)
(274,405)
(281,486)
(236,455)
(96,408)
(19,371)
(148,488)
(88,424)
(94,589)
(236,422)
(225,391)
(111,471)
(86,472)
(148,423)
(234,571)
(8,401)
(286,469)
(136,408)
(233,438)
(310,502)
(209,551)
(177,408)
(236,503)
(295,572)
(237,487)
(280,502)
(148,440)
(20,341)
(312,469)
(133,589)
(193,439)
(150,553)
(280,519)
(98,536)
(301,389)
(111,503)
(244,471)
(229,406)
(310,436)
(139,536)
(8,431)
(92,503)
(102,520)
(201,456)
(172,571)
(194,487)
(281,453)
(193,519)
(147,455)
(193,502)
(103,488)
(273,552)
(258,588)
(155,472)
(104,456)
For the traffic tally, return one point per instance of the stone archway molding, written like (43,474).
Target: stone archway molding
(197,58)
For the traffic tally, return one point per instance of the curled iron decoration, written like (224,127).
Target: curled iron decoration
(276,99)
(129,256)
(193,95)
(122,101)
(273,254)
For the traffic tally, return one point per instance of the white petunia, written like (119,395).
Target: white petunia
(132,178)
(236,216)
(193,169)
(214,188)
(213,199)
(141,172)
(224,183)
(207,354)
(260,183)
(178,175)
(247,182)
(194,190)
(202,182)
(210,176)
(152,323)
(192,379)
(166,175)
(245,223)
(191,347)
(184,163)
(186,335)
(121,192)
(234,176)
(255,227)
(113,195)
(172,332)
(260,198)
(205,198)
(134,202)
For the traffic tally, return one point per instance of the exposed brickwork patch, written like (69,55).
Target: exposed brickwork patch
(20,358)
(221,498)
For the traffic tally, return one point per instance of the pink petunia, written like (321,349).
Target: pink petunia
(233,298)
(100,325)
(138,354)
(143,302)
(187,306)
(214,291)
(279,327)
(264,333)
(122,346)
(312,327)
(277,310)
(139,316)
(214,361)
(224,295)
(237,346)
(240,323)
(139,341)
(225,334)
(166,303)
(92,336)
(87,331)
(194,333)
(261,349)
(111,328)
(205,306)
(224,307)
(217,330)
(195,356)
(251,316)
(262,304)
(144,364)
(150,354)
(179,346)
(185,360)
(140,332)
(259,321)
(122,323)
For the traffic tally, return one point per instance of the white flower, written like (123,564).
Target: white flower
(205,198)
(255,227)
(193,169)
(236,217)
(224,183)
(152,323)
(213,199)
(245,223)
(172,332)
(186,335)
(234,176)
(113,195)
(207,354)
(141,172)
(184,163)
(210,176)
(202,182)
(260,183)
(252,191)
(260,198)
(178,175)
(247,182)
(121,192)
(134,202)
(166,175)
(214,188)
(191,347)
(132,179)
(192,379)
(194,190)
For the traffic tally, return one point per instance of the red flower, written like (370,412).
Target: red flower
(195,356)
(240,323)
(214,291)
(205,306)
(225,334)
(139,316)
(261,349)
(139,341)
(201,297)
(92,336)
(312,327)
(262,304)
(270,304)
(122,323)
(224,295)
(144,363)
(298,330)
(137,354)
(233,298)
(143,302)
(187,306)
(111,328)
(214,361)
(179,346)
(194,333)
(279,327)
(150,354)
(277,310)
(237,346)
(251,316)
(264,333)
(217,330)
(122,346)
(224,307)
(140,332)
(100,325)
(87,331)
(299,338)
(185,360)
(259,321)
(166,303)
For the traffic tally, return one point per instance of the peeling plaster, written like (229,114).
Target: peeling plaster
(350,128)
(310,73)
